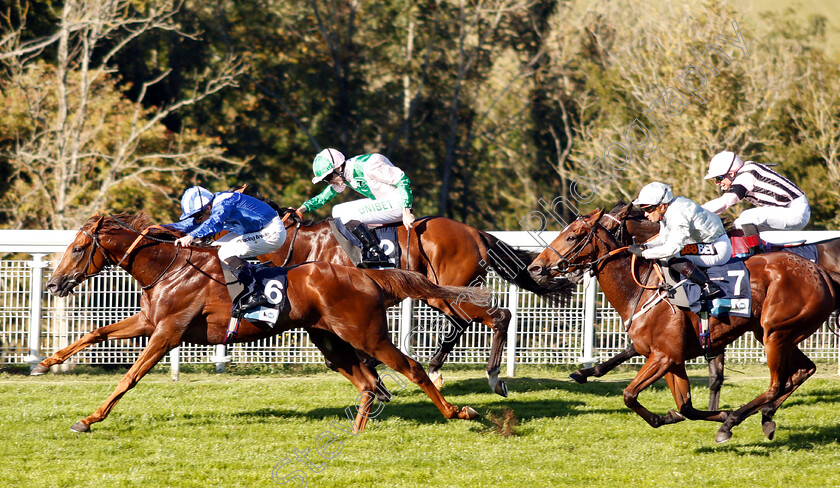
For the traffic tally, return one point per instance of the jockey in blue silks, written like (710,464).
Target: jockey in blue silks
(253,227)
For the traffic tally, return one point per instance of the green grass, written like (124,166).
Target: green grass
(231,430)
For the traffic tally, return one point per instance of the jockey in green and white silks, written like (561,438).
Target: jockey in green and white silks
(386,188)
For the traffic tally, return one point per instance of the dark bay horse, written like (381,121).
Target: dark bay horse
(791,296)
(185,299)
(447,252)
(627,222)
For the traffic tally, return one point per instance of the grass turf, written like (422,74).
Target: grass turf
(212,430)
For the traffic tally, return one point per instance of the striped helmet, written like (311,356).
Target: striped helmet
(194,199)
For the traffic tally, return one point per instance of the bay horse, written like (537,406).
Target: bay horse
(791,298)
(626,221)
(185,299)
(447,252)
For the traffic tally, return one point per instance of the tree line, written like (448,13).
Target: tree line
(494,108)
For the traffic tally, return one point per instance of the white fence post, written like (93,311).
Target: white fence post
(406,312)
(175,363)
(35,291)
(589,309)
(513,306)
(220,358)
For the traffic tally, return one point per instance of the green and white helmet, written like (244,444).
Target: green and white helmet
(325,162)
(654,194)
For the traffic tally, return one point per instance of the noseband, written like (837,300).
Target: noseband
(565,260)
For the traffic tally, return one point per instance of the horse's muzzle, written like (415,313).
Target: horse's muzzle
(61,286)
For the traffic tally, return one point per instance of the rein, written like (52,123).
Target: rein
(140,236)
(292,243)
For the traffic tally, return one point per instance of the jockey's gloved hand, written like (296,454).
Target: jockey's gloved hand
(636,249)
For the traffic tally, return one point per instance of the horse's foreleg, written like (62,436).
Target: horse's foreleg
(134,326)
(445,346)
(715,381)
(654,368)
(677,380)
(160,343)
(601,369)
(501,321)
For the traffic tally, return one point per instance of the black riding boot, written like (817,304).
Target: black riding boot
(372,254)
(752,239)
(708,289)
(250,297)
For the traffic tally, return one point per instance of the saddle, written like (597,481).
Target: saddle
(732,277)
(387,235)
(272,281)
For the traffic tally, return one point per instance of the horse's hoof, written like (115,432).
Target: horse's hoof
(39,369)
(769,428)
(469,413)
(80,427)
(723,436)
(501,389)
(578,377)
(437,379)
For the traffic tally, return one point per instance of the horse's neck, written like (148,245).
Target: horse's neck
(317,243)
(148,261)
(618,285)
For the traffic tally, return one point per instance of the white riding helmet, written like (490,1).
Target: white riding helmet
(654,194)
(325,162)
(723,162)
(194,199)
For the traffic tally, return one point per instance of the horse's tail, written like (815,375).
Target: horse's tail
(399,284)
(512,265)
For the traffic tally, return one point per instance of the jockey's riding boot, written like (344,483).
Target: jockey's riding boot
(752,239)
(709,290)
(372,255)
(250,297)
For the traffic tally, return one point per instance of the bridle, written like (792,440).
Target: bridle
(298,223)
(565,260)
(96,245)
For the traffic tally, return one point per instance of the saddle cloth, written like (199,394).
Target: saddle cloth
(387,235)
(732,277)
(273,282)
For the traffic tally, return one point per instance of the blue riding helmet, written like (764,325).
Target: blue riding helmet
(194,199)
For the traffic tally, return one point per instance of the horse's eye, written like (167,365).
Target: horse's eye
(572,237)
(77,249)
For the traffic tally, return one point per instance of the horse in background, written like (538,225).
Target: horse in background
(446,252)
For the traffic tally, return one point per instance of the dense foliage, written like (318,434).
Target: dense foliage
(491,107)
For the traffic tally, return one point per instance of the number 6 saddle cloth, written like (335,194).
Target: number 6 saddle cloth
(272,281)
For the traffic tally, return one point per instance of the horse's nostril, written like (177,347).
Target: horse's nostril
(535,269)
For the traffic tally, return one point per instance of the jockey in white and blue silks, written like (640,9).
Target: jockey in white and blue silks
(253,228)
(683,222)
(388,192)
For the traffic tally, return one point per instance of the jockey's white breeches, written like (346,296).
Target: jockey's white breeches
(265,240)
(793,217)
(712,254)
(370,212)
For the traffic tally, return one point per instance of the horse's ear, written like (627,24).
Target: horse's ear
(596,216)
(622,212)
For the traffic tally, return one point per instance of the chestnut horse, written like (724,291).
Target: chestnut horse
(791,298)
(185,299)
(447,252)
(626,222)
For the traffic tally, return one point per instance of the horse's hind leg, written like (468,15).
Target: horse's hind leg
(803,368)
(601,369)
(160,343)
(343,358)
(715,381)
(134,326)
